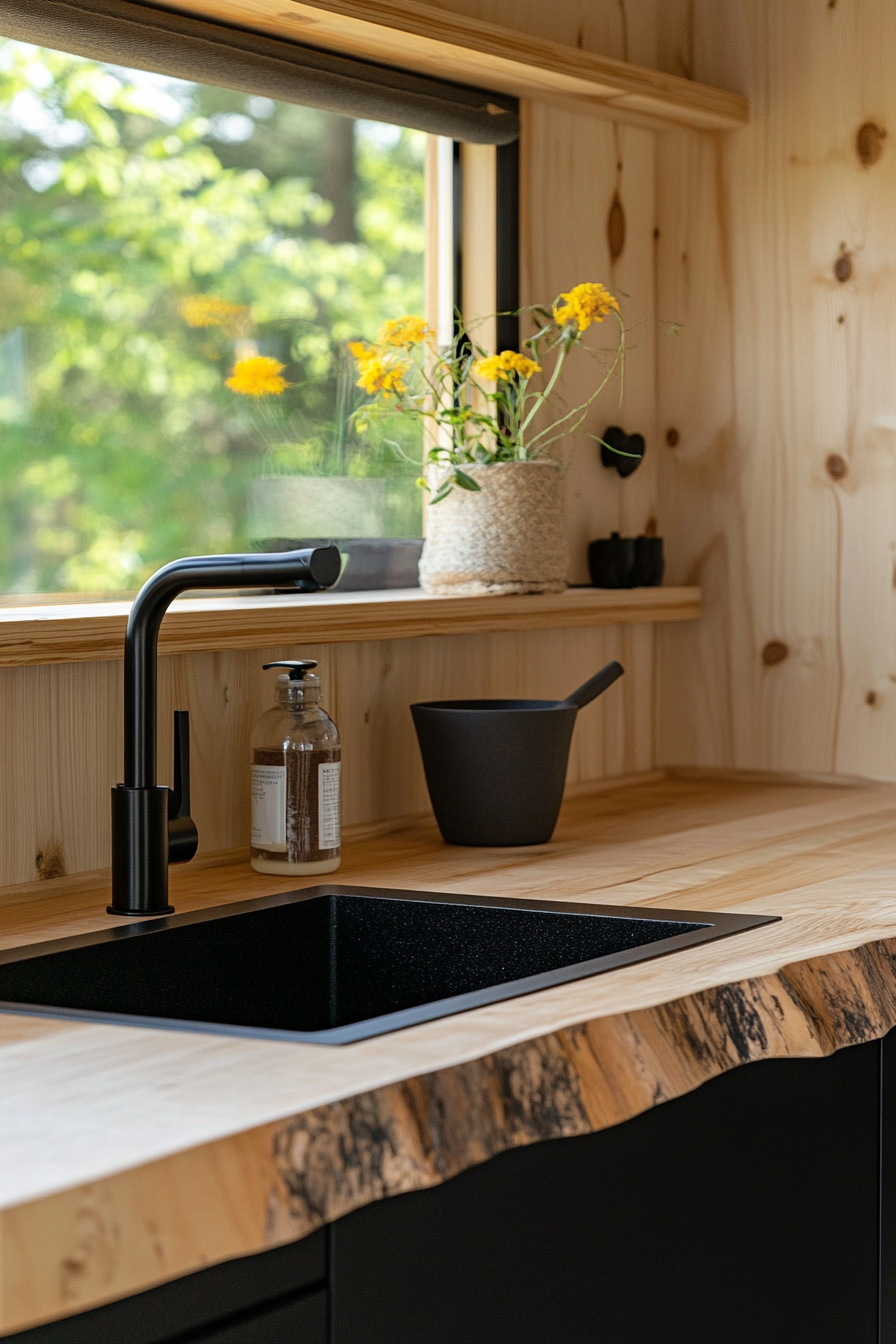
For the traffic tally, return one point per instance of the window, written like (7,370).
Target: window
(156,235)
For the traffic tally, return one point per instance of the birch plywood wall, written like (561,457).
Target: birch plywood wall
(778,483)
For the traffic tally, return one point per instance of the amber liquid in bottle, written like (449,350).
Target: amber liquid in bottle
(296,785)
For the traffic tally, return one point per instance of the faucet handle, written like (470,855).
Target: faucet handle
(183,837)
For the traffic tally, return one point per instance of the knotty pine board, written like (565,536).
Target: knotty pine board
(62,734)
(130,1156)
(572,166)
(779,368)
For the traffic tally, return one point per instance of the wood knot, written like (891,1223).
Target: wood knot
(616,228)
(650,527)
(672,437)
(774,652)
(843,267)
(836,466)
(870,142)
(50,861)
(871,698)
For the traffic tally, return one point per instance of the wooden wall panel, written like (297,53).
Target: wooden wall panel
(777,253)
(625,29)
(574,165)
(62,729)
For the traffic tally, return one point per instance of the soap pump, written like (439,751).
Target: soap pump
(295,777)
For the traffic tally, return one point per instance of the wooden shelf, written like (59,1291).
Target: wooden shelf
(435,41)
(94,632)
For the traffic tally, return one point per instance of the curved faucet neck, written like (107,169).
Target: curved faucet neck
(309,569)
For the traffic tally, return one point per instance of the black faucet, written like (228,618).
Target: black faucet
(151,824)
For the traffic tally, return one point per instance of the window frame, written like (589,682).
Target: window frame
(502,229)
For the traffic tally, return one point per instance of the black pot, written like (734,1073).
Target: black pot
(495,769)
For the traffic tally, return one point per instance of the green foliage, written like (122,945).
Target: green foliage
(121,195)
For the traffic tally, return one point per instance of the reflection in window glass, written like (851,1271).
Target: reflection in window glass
(181,269)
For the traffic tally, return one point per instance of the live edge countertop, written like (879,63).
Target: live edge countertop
(129,1156)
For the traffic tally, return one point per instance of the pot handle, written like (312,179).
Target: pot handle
(595,686)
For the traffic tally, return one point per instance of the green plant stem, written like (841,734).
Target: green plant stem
(582,409)
(540,399)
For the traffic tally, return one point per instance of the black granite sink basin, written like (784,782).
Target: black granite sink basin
(334,964)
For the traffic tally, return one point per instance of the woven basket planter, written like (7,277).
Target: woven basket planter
(509,537)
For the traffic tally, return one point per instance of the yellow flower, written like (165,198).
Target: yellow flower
(258,376)
(383,374)
(403,331)
(584,304)
(204,310)
(493,367)
(361,351)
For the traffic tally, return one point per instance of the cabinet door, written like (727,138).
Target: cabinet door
(219,1298)
(298,1322)
(745,1212)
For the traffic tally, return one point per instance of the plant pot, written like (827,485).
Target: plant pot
(508,537)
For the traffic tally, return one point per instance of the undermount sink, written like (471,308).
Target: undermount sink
(333,964)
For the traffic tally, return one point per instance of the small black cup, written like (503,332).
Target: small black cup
(626,562)
(611,561)
(649,565)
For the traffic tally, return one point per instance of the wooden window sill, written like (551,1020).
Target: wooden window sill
(93,632)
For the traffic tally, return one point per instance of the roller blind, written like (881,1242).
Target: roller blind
(208,52)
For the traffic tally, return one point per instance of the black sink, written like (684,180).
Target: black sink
(334,964)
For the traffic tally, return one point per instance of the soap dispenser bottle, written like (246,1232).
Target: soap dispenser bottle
(296,784)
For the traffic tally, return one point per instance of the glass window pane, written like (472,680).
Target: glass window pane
(182,268)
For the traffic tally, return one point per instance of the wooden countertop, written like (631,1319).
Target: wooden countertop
(128,1156)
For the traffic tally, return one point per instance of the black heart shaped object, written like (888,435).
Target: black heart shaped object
(631,444)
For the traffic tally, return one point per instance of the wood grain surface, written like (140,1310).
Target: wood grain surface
(62,729)
(776,255)
(94,631)
(558,248)
(130,1156)
(432,39)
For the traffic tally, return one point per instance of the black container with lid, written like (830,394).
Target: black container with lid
(626,562)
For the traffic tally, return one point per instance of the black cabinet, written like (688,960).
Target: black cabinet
(745,1212)
(758,1209)
(301,1320)
(278,1297)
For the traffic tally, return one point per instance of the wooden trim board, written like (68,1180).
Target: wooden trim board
(94,632)
(430,40)
(130,1156)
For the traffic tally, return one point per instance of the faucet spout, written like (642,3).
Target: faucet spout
(141,832)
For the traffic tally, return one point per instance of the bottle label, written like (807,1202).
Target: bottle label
(328,804)
(269,807)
